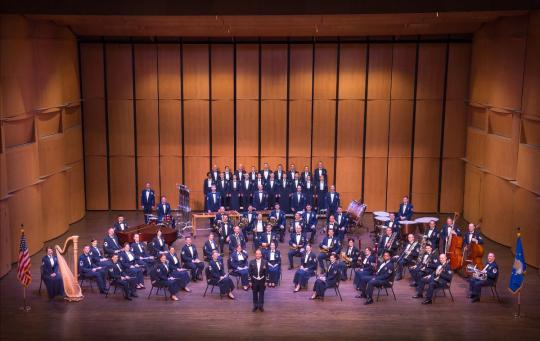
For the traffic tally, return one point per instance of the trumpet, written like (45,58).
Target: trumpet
(243,223)
(477,273)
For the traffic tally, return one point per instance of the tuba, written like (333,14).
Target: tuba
(476,273)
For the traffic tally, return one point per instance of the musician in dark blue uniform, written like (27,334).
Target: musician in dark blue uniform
(222,187)
(191,260)
(236,238)
(138,249)
(332,201)
(329,280)
(432,234)
(440,278)
(216,270)
(159,246)
(428,262)
(163,276)
(297,244)
(320,192)
(148,201)
(272,187)
(176,270)
(51,274)
(131,266)
(352,253)
(111,244)
(90,270)
(308,267)
(280,219)
(342,222)
(298,221)
(310,222)
(209,247)
(283,195)
(121,224)
(234,194)
(260,198)
(273,257)
(308,189)
(366,267)
(472,236)
(298,200)
(97,256)
(491,271)
(330,245)
(239,262)
(163,209)
(246,190)
(383,276)
(407,256)
(267,237)
(450,228)
(225,229)
(120,277)
(393,223)
(257,274)
(405,211)
(388,242)
(319,172)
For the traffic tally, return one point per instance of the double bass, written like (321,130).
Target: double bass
(473,254)
(454,248)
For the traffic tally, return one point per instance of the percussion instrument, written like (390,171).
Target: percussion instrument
(356,211)
(382,219)
(408,226)
(147,232)
(381,214)
(152,218)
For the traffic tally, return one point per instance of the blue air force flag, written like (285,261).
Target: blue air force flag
(518,269)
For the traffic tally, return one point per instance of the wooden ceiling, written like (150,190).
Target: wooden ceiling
(277,25)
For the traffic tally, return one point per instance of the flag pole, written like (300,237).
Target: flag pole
(518,313)
(26,308)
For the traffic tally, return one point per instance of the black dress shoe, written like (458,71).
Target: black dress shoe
(412,285)
(427,302)
(261,309)
(368,301)
(475,299)
(134,295)
(360,296)
(254,309)
(290,268)
(417,296)
(128,298)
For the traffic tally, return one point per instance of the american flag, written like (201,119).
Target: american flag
(23,269)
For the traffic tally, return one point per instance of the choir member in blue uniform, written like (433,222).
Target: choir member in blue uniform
(310,221)
(163,276)
(236,238)
(97,256)
(131,266)
(121,278)
(280,219)
(329,280)
(408,256)
(320,193)
(207,186)
(163,209)
(291,174)
(405,211)
(279,172)
(450,228)
(266,172)
(91,270)
(342,222)
(213,200)
(308,188)
(159,246)
(305,174)
(440,278)
(190,258)
(297,244)
(273,257)
(260,198)
(111,244)
(258,183)
(331,225)
(246,190)
(491,271)
(222,187)
(227,174)
(320,171)
(234,194)
(307,269)
(218,277)
(253,174)
(141,256)
(383,276)
(272,188)
(332,201)
(283,195)
(239,262)
(366,267)
(209,247)
(51,274)
(148,201)
(352,253)
(121,224)
(257,274)
(331,245)
(240,172)
(298,200)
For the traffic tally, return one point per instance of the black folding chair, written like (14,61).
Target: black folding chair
(208,284)
(443,289)
(389,285)
(158,286)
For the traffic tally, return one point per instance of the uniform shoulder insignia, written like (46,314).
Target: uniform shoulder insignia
(450,271)
(494,270)
(389,271)
(81,263)
(105,243)
(158,270)
(110,270)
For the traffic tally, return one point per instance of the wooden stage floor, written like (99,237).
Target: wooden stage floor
(287,315)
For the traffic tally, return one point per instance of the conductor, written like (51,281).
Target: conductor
(258,271)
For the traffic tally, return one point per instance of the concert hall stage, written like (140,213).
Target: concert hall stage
(287,315)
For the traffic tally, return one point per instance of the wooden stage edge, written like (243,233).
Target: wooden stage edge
(287,315)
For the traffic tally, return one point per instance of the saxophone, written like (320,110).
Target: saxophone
(345,259)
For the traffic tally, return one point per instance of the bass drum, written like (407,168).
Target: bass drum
(356,211)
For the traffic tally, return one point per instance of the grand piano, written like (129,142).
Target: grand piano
(147,232)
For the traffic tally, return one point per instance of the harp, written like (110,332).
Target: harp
(72,288)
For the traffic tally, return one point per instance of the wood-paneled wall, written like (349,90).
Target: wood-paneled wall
(502,173)
(41,144)
(386,117)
